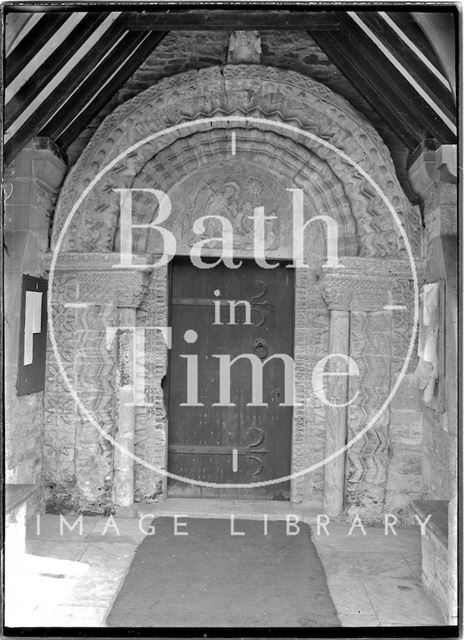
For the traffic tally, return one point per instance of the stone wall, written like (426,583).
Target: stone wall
(32,182)
(405,471)
(441,419)
(434,176)
(404,478)
(435,179)
(435,569)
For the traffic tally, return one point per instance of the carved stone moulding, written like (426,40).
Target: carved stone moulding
(364,284)
(272,94)
(95,261)
(381,267)
(101,281)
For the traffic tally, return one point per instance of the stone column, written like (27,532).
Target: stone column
(132,287)
(123,469)
(338,298)
(336,416)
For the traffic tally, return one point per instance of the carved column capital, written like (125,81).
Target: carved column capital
(363,284)
(120,288)
(352,292)
(100,281)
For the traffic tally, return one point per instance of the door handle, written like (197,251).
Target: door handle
(260,348)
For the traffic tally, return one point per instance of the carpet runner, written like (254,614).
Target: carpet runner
(210,578)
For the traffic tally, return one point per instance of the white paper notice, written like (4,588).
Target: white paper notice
(32,322)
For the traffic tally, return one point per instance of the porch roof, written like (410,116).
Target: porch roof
(63,66)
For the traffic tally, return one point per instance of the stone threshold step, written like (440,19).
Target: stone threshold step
(201,508)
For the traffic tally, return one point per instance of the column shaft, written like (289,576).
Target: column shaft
(123,481)
(336,416)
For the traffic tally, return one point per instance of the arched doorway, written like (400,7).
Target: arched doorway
(242,166)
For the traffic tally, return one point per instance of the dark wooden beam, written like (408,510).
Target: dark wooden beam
(382,85)
(405,21)
(37,37)
(442,94)
(52,65)
(58,97)
(133,49)
(231,19)
(359,73)
(409,100)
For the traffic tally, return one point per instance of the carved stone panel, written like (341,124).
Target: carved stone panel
(368,458)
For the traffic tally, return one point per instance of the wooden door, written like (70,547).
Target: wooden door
(229,444)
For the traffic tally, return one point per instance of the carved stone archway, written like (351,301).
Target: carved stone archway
(251,90)
(85,273)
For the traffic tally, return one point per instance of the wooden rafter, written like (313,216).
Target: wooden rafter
(37,37)
(381,83)
(384,55)
(423,73)
(101,85)
(405,21)
(360,76)
(230,19)
(58,96)
(87,88)
(51,66)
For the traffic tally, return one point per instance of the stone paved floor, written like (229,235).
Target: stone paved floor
(375,580)
(72,579)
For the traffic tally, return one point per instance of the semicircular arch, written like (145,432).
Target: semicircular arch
(249,90)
